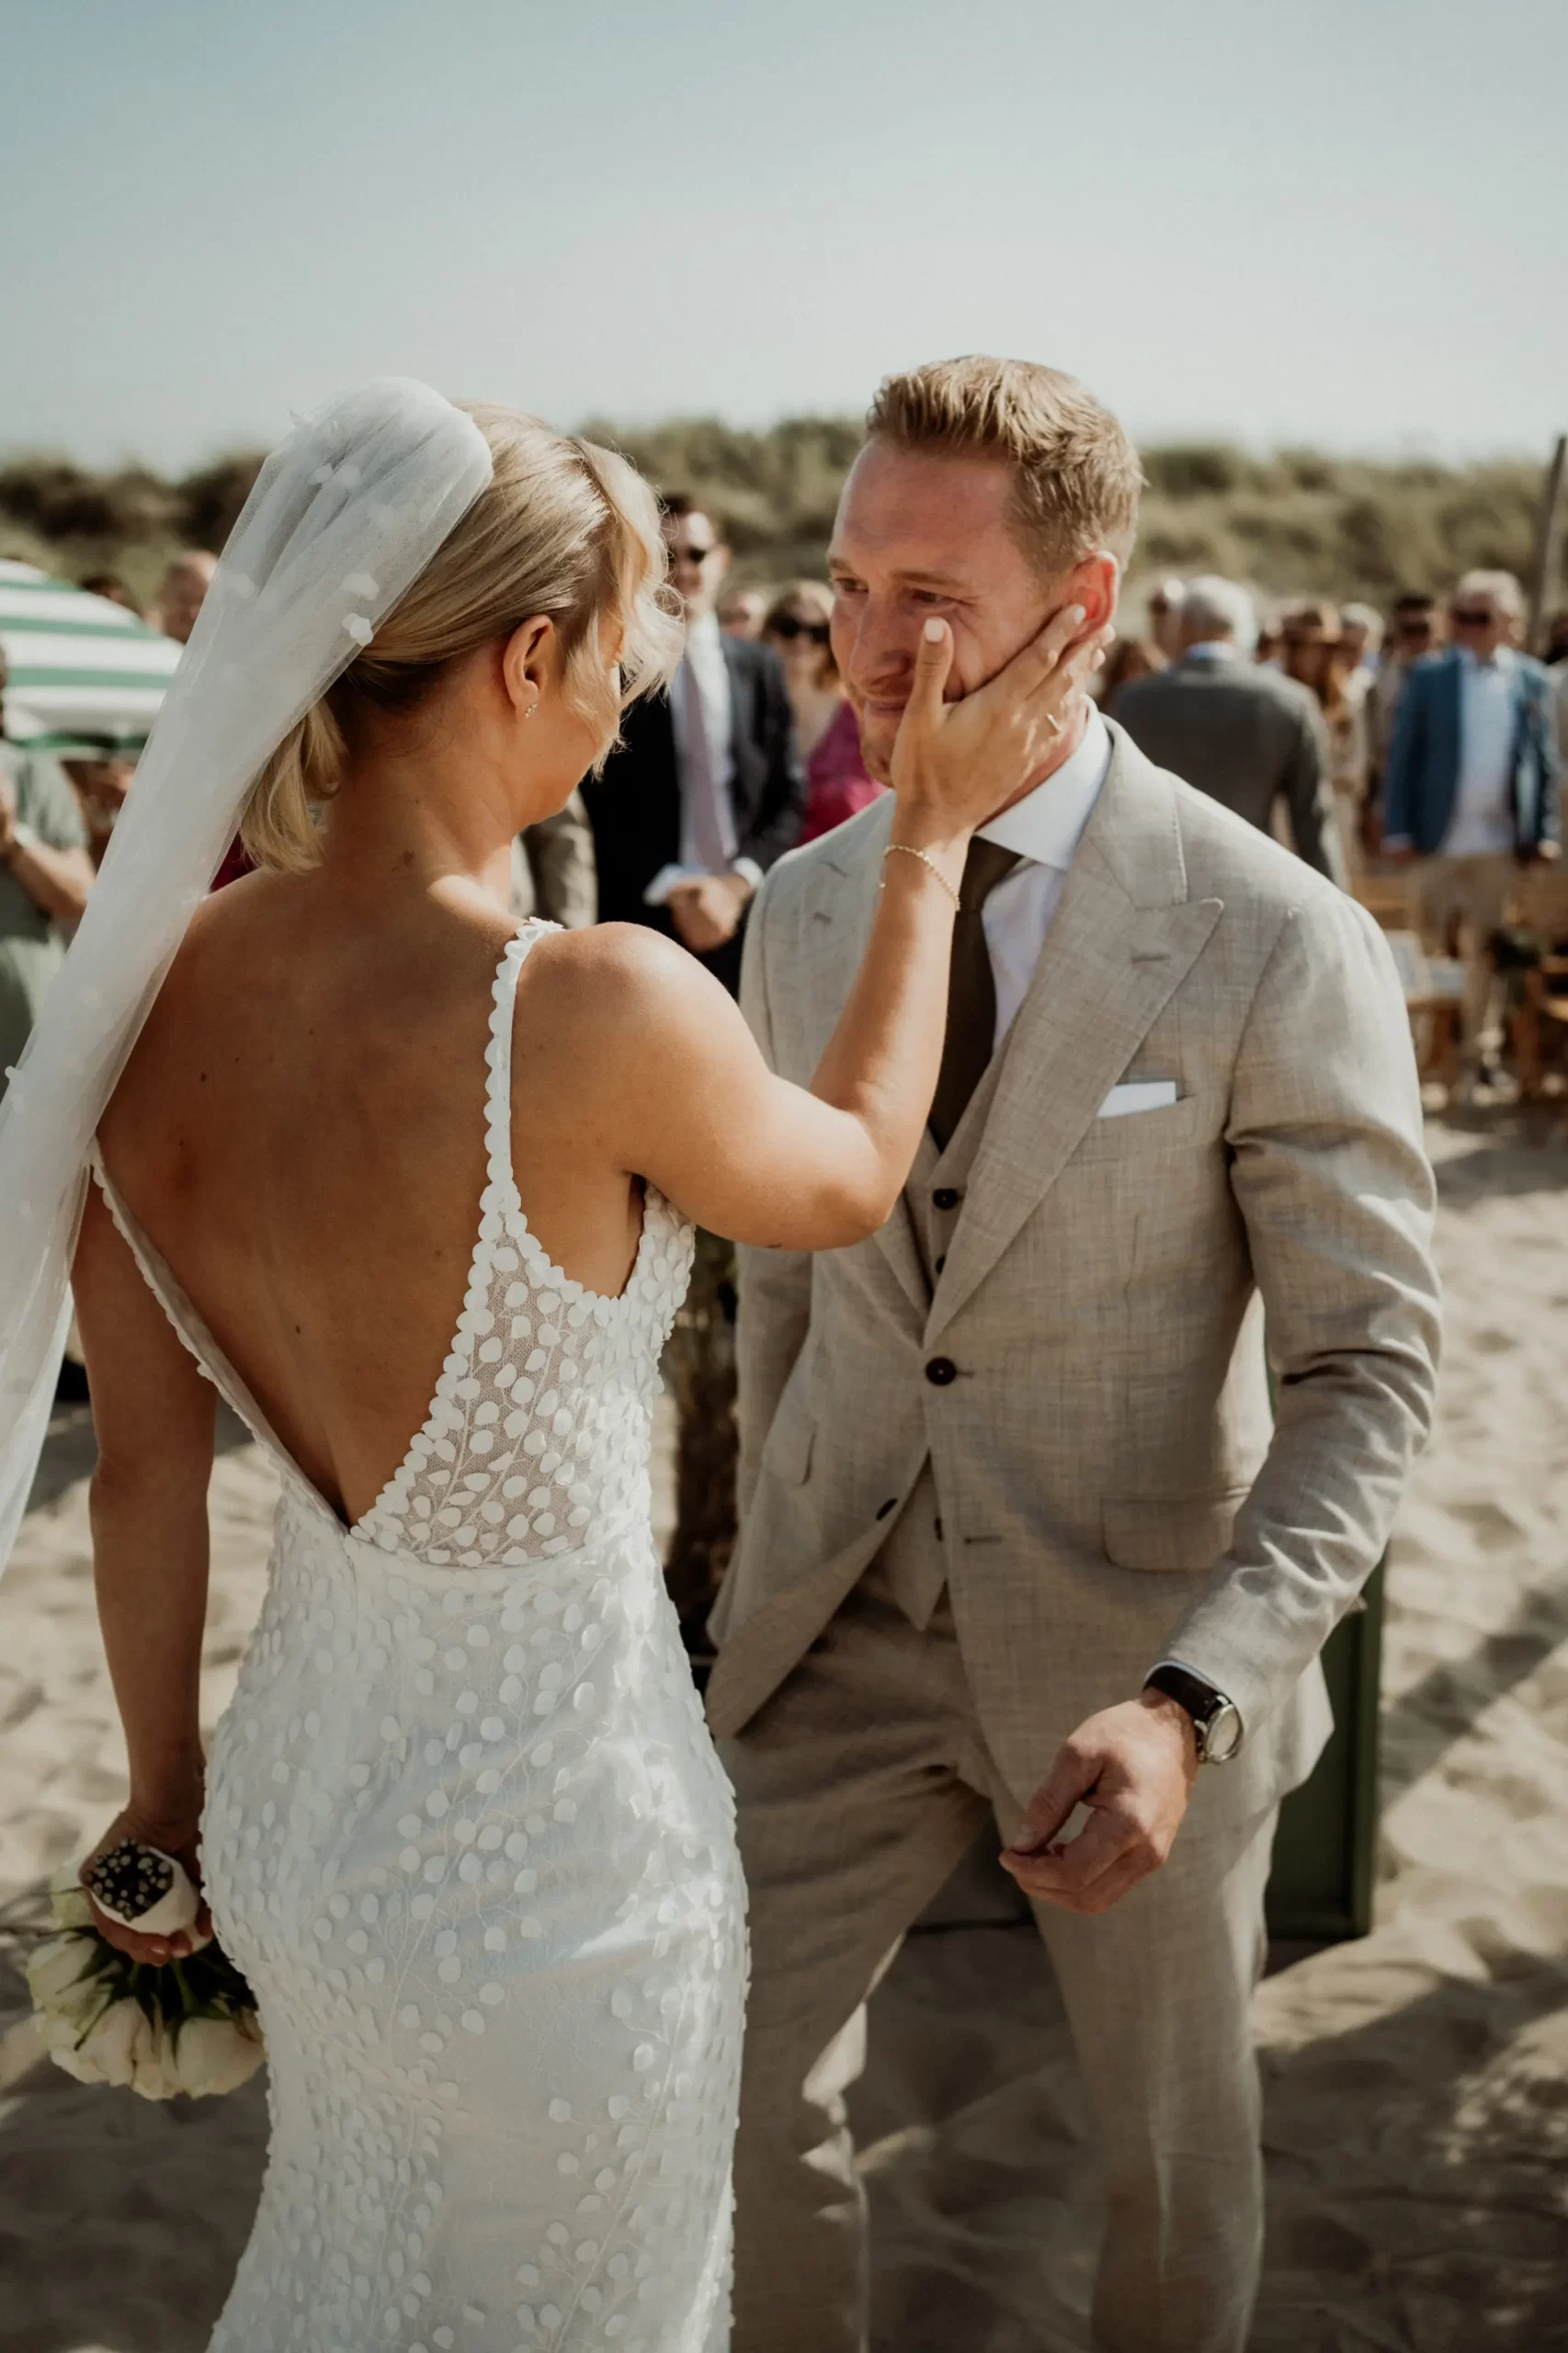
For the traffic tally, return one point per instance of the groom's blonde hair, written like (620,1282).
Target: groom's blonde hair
(563,529)
(1077,475)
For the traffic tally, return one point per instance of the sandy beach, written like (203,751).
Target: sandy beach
(1418,2080)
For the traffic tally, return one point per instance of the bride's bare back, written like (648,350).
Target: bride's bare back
(299,1134)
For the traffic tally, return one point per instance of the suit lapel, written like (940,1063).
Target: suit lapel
(837,923)
(1123,938)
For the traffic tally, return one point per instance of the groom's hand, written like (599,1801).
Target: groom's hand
(1133,1768)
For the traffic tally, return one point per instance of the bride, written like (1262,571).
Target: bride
(355,1139)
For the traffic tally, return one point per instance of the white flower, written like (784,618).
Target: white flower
(57,1976)
(153,2071)
(110,2050)
(60,2037)
(216,2055)
(68,1899)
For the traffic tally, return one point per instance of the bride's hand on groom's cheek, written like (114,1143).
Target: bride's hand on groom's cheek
(1133,1768)
(968,756)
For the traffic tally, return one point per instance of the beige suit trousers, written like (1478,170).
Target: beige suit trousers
(861,1783)
(1475,892)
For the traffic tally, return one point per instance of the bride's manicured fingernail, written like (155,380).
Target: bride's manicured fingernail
(933,633)
(1076,613)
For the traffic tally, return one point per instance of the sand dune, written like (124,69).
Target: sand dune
(1417,2082)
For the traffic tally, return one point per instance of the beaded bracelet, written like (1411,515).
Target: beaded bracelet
(907,850)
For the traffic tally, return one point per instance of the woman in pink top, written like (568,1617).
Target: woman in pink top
(825,726)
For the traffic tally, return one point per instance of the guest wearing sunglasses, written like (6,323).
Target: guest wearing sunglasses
(799,628)
(1471,787)
(705,788)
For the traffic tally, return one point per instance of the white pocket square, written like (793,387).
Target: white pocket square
(1139,1095)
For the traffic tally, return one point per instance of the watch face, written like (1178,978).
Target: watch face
(1223,1734)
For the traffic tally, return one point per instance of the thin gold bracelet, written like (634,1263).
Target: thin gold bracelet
(907,850)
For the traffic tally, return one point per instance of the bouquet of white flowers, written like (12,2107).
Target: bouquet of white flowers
(189,2027)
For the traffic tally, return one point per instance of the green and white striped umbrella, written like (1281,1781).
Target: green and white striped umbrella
(84,675)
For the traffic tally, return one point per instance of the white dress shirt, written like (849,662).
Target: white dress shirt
(703,667)
(1483,822)
(1046,826)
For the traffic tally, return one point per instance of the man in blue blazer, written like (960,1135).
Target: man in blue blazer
(1469,790)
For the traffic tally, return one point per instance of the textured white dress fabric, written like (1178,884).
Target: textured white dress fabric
(468,1839)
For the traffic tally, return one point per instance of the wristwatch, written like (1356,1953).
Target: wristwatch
(23,837)
(1216,1720)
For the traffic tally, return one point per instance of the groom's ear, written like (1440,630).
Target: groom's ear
(1093,582)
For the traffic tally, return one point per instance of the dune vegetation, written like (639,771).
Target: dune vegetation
(1296,522)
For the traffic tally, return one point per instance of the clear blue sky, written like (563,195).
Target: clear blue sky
(1335,220)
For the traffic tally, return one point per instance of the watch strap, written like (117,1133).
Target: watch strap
(1202,1700)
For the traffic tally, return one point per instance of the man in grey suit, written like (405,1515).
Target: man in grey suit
(1245,735)
(1019,1533)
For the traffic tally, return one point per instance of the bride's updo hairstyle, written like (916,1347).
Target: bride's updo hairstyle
(563,529)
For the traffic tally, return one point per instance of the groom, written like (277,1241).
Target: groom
(1019,1535)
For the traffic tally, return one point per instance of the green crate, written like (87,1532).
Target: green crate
(1320,1885)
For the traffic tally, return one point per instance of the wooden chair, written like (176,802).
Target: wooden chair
(1388,899)
(1542,1016)
(1539,1027)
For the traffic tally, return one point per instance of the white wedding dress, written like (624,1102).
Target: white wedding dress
(468,1839)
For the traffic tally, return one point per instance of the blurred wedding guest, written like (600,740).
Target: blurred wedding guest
(100,785)
(1470,792)
(704,789)
(45,876)
(743,612)
(1128,658)
(1415,631)
(180,593)
(1164,615)
(1321,654)
(112,588)
(1361,627)
(553,869)
(799,628)
(1249,737)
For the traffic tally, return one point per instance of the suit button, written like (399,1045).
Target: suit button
(883,1509)
(940,1371)
(947,1197)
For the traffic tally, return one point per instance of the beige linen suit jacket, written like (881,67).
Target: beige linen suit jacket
(1111,1485)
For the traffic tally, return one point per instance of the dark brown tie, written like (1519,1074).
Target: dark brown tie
(972,991)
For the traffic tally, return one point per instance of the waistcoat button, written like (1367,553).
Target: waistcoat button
(940,1371)
(947,1197)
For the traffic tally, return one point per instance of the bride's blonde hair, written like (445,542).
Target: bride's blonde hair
(563,529)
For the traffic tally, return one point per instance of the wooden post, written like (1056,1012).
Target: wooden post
(1545,546)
